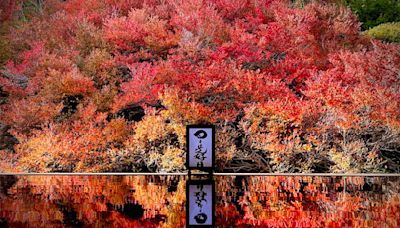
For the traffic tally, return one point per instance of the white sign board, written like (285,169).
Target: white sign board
(200,146)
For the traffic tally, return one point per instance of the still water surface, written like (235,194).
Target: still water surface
(159,201)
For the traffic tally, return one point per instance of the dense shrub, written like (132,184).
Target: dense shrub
(374,12)
(110,85)
(389,32)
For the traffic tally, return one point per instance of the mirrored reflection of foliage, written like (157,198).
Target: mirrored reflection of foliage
(308,202)
(100,201)
(159,201)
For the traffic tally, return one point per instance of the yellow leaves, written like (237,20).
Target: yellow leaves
(173,159)
(154,197)
(343,162)
(263,118)
(58,149)
(38,151)
(77,146)
(169,159)
(158,140)
(307,147)
(180,131)
(151,128)
(151,196)
(354,156)
(90,61)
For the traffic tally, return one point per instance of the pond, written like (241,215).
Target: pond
(159,201)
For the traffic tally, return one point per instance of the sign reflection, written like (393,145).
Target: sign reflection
(200,203)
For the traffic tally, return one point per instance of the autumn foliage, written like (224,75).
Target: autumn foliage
(159,201)
(105,85)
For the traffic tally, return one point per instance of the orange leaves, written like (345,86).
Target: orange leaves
(80,145)
(60,84)
(159,201)
(139,29)
(116,131)
(180,108)
(303,202)
(93,201)
(26,113)
(277,118)
(45,151)
(125,32)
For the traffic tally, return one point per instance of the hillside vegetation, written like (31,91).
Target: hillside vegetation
(109,85)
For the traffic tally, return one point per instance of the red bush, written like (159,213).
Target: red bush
(290,89)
